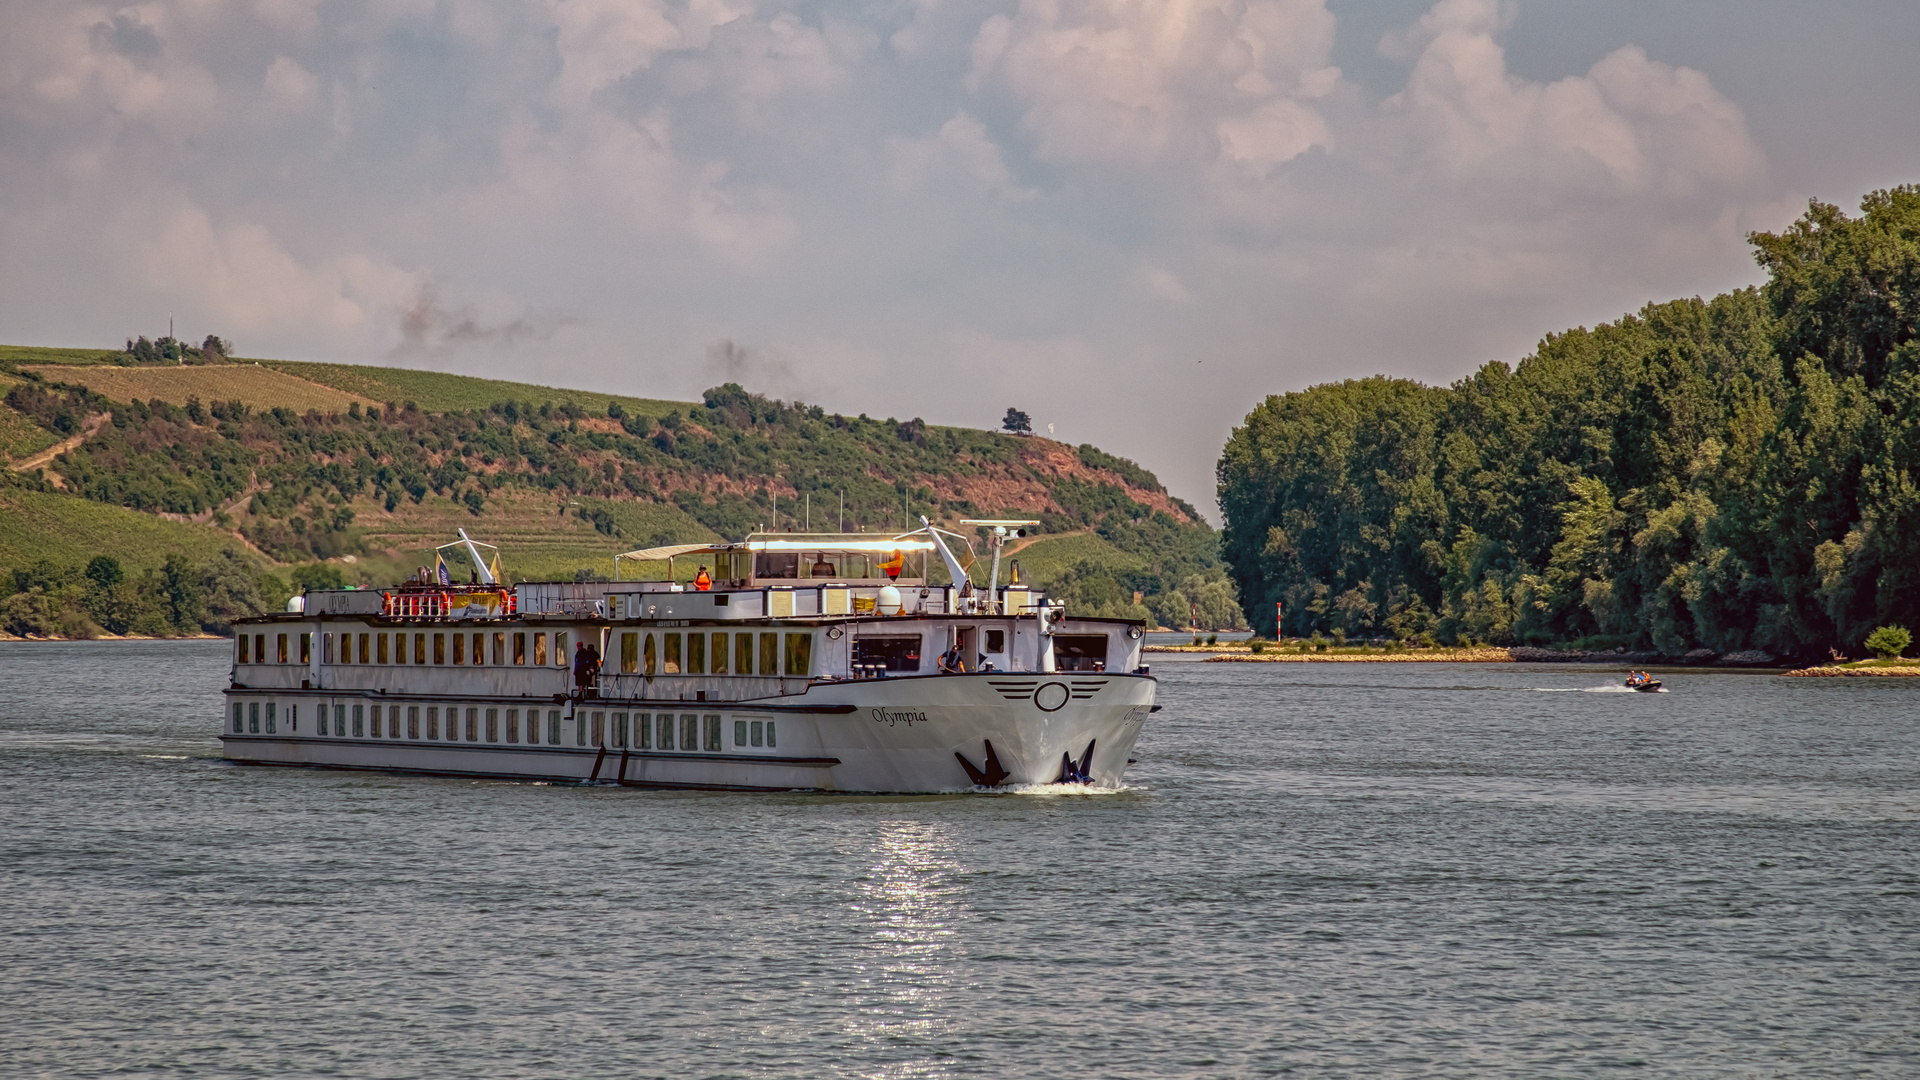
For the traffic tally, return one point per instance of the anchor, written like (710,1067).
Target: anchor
(1071,773)
(991,774)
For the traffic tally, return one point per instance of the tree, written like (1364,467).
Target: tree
(1889,642)
(1017,422)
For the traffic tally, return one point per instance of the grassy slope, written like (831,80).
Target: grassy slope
(1049,557)
(69,531)
(35,354)
(19,436)
(257,386)
(437,391)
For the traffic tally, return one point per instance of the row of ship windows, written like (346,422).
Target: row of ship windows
(709,654)
(640,731)
(377,649)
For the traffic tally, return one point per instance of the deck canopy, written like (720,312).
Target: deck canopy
(791,557)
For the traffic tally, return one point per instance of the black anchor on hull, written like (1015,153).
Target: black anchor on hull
(1071,773)
(990,774)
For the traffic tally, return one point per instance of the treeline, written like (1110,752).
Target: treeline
(176,599)
(1732,474)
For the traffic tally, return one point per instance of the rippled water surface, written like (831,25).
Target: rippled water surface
(1319,870)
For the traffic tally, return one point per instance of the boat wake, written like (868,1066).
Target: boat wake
(1052,790)
(1610,688)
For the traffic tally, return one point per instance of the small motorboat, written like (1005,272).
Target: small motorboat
(1640,682)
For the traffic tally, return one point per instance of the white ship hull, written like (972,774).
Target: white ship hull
(906,735)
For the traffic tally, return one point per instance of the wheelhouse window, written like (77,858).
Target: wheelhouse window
(240,650)
(1080,652)
(891,653)
(776,564)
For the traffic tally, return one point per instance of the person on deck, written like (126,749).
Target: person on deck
(702,581)
(582,666)
(951,662)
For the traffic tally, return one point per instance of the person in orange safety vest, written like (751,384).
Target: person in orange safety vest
(702,581)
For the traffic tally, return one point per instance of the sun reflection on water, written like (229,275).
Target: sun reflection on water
(912,907)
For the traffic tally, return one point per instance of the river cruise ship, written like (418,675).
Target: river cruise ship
(801,661)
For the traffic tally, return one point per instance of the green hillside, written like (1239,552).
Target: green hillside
(337,472)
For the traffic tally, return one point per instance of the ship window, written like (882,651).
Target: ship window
(713,733)
(519,648)
(493,725)
(799,653)
(894,653)
(670,655)
(553,726)
(513,725)
(743,653)
(643,731)
(393,720)
(479,648)
(560,650)
(439,648)
(240,652)
(293,717)
(253,717)
(665,728)
(769,654)
(719,654)
(363,648)
(769,734)
(757,736)
(540,649)
(433,721)
(618,736)
(413,721)
(499,650)
(776,564)
(339,720)
(579,729)
(259,648)
(689,731)
(696,654)
(359,721)
(629,653)
(647,656)
(473,724)
(1080,652)
(271,726)
(239,725)
(740,732)
(306,648)
(459,648)
(419,648)
(599,729)
(373,728)
(380,647)
(996,641)
(326,648)
(281,648)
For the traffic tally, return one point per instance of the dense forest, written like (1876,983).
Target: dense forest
(1728,474)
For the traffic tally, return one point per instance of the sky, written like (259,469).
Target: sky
(1131,220)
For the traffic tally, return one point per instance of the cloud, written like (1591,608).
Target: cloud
(1119,81)
(1629,126)
(961,148)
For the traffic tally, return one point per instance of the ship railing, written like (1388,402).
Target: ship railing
(638,687)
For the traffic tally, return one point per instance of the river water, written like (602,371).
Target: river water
(1317,870)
